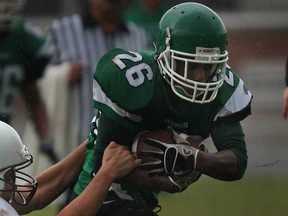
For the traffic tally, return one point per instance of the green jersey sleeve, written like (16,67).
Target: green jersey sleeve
(231,136)
(233,100)
(123,85)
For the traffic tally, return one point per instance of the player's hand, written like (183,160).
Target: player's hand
(184,180)
(285,103)
(173,158)
(76,70)
(119,160)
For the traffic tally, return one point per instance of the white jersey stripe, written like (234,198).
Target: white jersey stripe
(234,105)
(101,97)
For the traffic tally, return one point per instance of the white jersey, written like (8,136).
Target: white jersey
(6,209)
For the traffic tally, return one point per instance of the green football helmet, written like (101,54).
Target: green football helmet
(188,34)
(9,11)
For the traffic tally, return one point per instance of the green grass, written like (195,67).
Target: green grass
(252,196)
(48,211)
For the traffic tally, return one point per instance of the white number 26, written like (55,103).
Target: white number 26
(136,74)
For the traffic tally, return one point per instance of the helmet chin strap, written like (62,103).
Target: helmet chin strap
(182,91)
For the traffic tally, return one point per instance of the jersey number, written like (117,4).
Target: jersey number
(10,77)
(135,75)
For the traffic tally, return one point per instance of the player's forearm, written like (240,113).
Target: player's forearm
(90,200)
(62,174)
(140,178)
(285,102)
(230,162)
(286,73)
(222,165)
(55,180)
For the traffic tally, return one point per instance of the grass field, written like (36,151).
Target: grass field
(252,196)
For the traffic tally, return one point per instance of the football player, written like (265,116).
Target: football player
(26,193)
(285,92)
(24,55)
(14,157)
(185,84)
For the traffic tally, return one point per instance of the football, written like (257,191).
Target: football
(162,135)
(161,181)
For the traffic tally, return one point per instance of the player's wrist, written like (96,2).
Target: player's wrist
(189,154)
(109,175)
(192,159)
(286,80)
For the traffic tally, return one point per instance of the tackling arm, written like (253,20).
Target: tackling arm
(55,180)
(117,162)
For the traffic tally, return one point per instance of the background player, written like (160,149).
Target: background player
(285,92)
(185,84)
(24,55)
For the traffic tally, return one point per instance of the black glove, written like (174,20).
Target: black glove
(173,158)
(47,147)
(184,180)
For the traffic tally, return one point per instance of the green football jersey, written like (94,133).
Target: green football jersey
(23,56)
(132,96)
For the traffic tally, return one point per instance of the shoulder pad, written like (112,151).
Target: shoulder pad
(126,78)
(233,96)
(230,84)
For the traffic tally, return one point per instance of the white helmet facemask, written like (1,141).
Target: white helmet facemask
(24,187)
(15,156)
(189,89)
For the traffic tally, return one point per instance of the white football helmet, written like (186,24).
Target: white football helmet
(9,11)
(15,156)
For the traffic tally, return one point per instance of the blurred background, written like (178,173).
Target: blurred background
(258,48)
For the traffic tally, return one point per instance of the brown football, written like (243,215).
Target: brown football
(162,135)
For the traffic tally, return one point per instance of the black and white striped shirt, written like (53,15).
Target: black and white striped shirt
(77,40)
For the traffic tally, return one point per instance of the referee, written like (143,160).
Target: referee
(81,39)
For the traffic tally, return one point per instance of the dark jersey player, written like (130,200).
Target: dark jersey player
(185,84)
